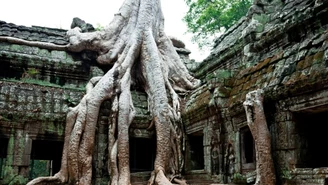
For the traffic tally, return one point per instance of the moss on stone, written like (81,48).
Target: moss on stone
(58,54)
(44,53)
(16,48)
(300,65)
(317,58)
(11,177)
(261,18)
(57,129)
(308,61)
(277,57)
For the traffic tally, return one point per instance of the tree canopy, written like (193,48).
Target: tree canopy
(208,17)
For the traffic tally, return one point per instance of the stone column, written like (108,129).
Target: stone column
(18,158)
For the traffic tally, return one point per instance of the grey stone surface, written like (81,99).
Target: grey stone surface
(279,46)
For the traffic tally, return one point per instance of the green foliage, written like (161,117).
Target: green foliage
(99,27)
(239,178)
(70,102)
(30,73)
(11,177)
(39,168)
(208,17)
(285,174)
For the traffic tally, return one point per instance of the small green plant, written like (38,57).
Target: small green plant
(30,73)
(285,174)
(11,177)
(238,178)
(4,119)
(69,101)
(99,27)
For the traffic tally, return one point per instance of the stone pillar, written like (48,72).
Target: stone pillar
(238,152)
(207,148)
(18,158)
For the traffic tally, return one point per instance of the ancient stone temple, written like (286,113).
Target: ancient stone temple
(279,47)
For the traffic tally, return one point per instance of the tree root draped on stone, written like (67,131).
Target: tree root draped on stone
(134,43)
(258,126)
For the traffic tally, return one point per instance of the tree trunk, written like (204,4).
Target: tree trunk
(259,129)
(134,43)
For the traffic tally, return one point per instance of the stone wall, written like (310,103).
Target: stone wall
(35,33)
(38,110)
(37,86)
(281,47)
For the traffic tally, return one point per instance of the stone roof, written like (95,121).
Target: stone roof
(280,47)
(34,33)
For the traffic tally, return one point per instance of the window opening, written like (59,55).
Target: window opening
(142,154)
(312,130)
(45,158)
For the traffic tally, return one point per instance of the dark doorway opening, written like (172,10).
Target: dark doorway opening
(8,70)
(312,130)
(142,154)
(45,158)
(3,155)
(196,151)
(247,149)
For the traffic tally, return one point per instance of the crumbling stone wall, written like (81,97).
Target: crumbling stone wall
(281,47)
(37,86)
(30,112)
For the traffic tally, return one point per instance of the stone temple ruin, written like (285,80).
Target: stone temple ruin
(280,47)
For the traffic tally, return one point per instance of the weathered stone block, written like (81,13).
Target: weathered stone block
(303,171)
(64,108)
(18,160)
(12,105)
(3,97)
(12,96)
(2,105)
(30,99)
(39,99)
(47,96)
(21,107)
(323,170)
(57,106)
(47,107)
(57,95)
(282,136)
(58,54)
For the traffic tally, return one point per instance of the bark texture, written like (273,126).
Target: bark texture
(134,43)
(258,126)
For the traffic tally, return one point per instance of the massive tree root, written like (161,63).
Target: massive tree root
(134,43)
(259,129)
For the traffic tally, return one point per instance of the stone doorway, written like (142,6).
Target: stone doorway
(45,158)
(142,154)
(247,145)
(312,126)
(196,151)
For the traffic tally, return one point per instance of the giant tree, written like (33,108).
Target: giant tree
(139,51)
